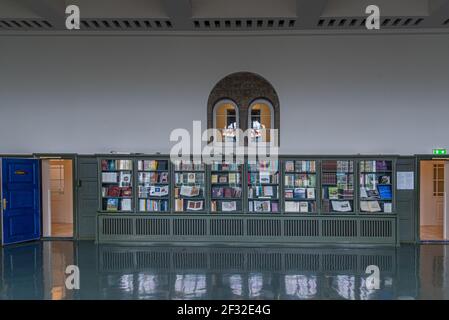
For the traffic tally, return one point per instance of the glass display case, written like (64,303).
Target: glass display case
(189,187)
(263,186)
(300,186)
(153,185)
(226,187)
(337,186)
(116,185)
(376,191)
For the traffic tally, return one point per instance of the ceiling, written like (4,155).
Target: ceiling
(150,16)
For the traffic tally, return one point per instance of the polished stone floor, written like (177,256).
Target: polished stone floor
(36,271)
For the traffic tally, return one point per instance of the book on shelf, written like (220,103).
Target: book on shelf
(233,178)
(373,194)
(112,204)
(112,191)
(384,179)
(195,205)
(217,192)
(189,191)
(291,206)
(370,206)
(332,193)
(142,205)
(288,193)
(300,193)
(227,206)
(126,204)
(191,177)
(262,192)
(153,177)
(329,178)
(159,191)
(188,166)
(179,205)
(214,179)
(126,192)
(385,192)
(264,177)
(213,206)
(268,191)
(305,166)
(222,179)
(154,205)
(303,207)
(125,179)
(388,207)
(112,165)
(262,206)
(310,193)
(289,166)
(274,207)
(109,177)
(341,206)
(363,193)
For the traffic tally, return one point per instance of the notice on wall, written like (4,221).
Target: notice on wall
(405,180)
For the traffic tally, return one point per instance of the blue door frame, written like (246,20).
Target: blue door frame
(20,200)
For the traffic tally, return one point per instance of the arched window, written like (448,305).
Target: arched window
(247,101)
(260,120)
(226,119)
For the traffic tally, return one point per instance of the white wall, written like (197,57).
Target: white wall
(338,94)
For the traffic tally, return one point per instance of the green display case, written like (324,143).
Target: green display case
(300,192)
(153,185)
(256,206)
(189,187)
(263,186)
(116,185)
(226,187)
(376,192)
(337,186)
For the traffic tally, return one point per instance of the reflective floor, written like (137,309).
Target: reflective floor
(37,271)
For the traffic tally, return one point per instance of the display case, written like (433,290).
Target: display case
(116,185)
(189,187)
(376,186)
(300,186)
(263,186)
(153,185)
(337,186)
(226,187)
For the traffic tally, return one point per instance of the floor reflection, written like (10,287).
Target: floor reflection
(37,271)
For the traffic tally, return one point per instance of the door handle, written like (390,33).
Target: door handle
(4,203)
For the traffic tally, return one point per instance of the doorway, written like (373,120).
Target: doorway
(57,198)
(434,202)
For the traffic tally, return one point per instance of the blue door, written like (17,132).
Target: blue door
(20,200)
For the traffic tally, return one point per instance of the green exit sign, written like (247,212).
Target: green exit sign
(439,151)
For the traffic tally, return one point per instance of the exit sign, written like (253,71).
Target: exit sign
(439,151)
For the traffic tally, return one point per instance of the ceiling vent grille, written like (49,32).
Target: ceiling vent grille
(25,24)
(242,24)
(354,22)
(125,24)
